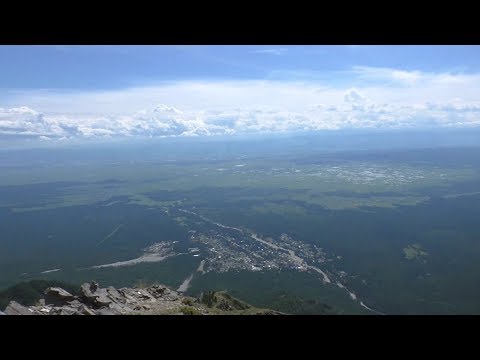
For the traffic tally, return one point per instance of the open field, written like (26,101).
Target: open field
(319,233)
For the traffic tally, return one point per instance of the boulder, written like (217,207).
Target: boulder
(120,308)
(133,296)
(102,299)
(94,286)
(55,311)
(57,296)
(84,310)
(15,308)
(170,295)
(95,296)
(115,296)
(108,311)
(75,303)
(88,290)
(68,310)
(157,291)
(142,307)
(45,310)
(143,295)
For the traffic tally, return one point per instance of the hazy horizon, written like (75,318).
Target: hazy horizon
(71,94)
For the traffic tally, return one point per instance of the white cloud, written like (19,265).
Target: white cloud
(356,111)
(354,97)
(391,98)
(415,78)
(388,74)
(272,51)
(187,95)
(23,121)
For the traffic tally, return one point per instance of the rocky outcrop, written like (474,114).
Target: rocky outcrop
(15,308)
(153,300)
(94,296)
(57,296)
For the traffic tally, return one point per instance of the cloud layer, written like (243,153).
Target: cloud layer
(356,112)
(386,98)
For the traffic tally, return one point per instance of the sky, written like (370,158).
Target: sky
(71,93)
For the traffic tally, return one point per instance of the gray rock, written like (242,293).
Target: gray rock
(57,296)
(67,310)
(142,307)
(55,311)
(88,290)
(85,310)
(143,295)
(132,296)
(126,294)
(121,308)
(170,295)
(75,303)
(110,301)
(115,296)
(108,312)
(102,299)
(44,310)
(2,313)
(95,296)
(94,286)
(157,291)
(15,308)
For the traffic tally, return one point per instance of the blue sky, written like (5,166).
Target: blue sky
(110,67)
(71,92)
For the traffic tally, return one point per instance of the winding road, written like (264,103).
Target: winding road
(295,258)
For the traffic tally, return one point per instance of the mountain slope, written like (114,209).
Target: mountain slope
(152,300)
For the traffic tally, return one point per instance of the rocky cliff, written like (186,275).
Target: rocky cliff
(152,300)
